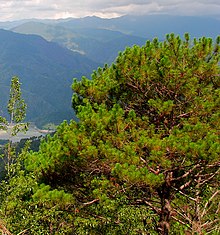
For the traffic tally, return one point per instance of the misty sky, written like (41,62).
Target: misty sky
(25,9)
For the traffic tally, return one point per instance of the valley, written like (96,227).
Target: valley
(48,54)
(33,131)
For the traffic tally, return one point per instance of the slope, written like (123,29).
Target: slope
(151,25)
(101,45)
(46,71)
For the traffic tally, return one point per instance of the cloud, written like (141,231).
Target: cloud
(20,9)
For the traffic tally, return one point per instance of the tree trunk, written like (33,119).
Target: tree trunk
(196,223)
(165,213)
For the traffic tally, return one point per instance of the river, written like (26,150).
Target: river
(32,131)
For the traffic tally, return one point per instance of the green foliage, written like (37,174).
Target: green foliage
(146,144)
(16,108)
(173,89)
(16,105)
(17,112)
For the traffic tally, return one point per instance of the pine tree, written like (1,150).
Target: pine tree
(167,136)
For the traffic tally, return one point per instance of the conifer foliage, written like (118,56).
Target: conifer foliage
(166,127)
(143,157)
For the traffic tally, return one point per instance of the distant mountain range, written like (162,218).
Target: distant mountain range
(47,54)
(100,45)
(102,39)
(150,26)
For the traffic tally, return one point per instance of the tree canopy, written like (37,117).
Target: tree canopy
(143,157)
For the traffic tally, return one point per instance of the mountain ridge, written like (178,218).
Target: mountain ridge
(47,54)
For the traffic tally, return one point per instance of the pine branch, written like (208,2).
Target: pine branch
(178,220)
(187,173)
(205,210)
(183,215)
(211,177)
(182,193)
(154,208)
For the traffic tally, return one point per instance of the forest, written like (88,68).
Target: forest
(143,156)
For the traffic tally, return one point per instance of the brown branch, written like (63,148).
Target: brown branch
(23,232)
(182,193)
(183,216)
(91,202)
(187,173)
(156,172)
(212,176)
(155,209)
(131,85)
(207,203)
(210,223)
(198,175)
(178,220)
(217,164)
(184,114)
(3,229)
(218,209)
(185,185)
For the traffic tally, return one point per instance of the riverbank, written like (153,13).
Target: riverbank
(32,132)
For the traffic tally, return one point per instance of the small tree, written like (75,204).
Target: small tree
(17,112)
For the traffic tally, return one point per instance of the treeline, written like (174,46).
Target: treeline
(143,157)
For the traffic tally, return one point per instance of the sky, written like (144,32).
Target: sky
(51,9)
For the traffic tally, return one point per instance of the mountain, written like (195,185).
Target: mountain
(101,39)
(149,26)
(45,70)
(160,25)
(10,24)
(145,26)
(101,45)
(52,52)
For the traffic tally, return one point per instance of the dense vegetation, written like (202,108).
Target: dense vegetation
(143,157)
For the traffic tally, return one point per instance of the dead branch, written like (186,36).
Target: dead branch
(91,202)
(183,216)
(187,173)
(205,210)
(154,208)
(211,177)
(178,220)
(185,185)
(182,193)
(3,229)
(210,223)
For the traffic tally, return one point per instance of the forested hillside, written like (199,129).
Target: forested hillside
(91,42)
(143,158)
(99,44)
(46,71)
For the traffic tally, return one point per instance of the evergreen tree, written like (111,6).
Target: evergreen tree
(167,136)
